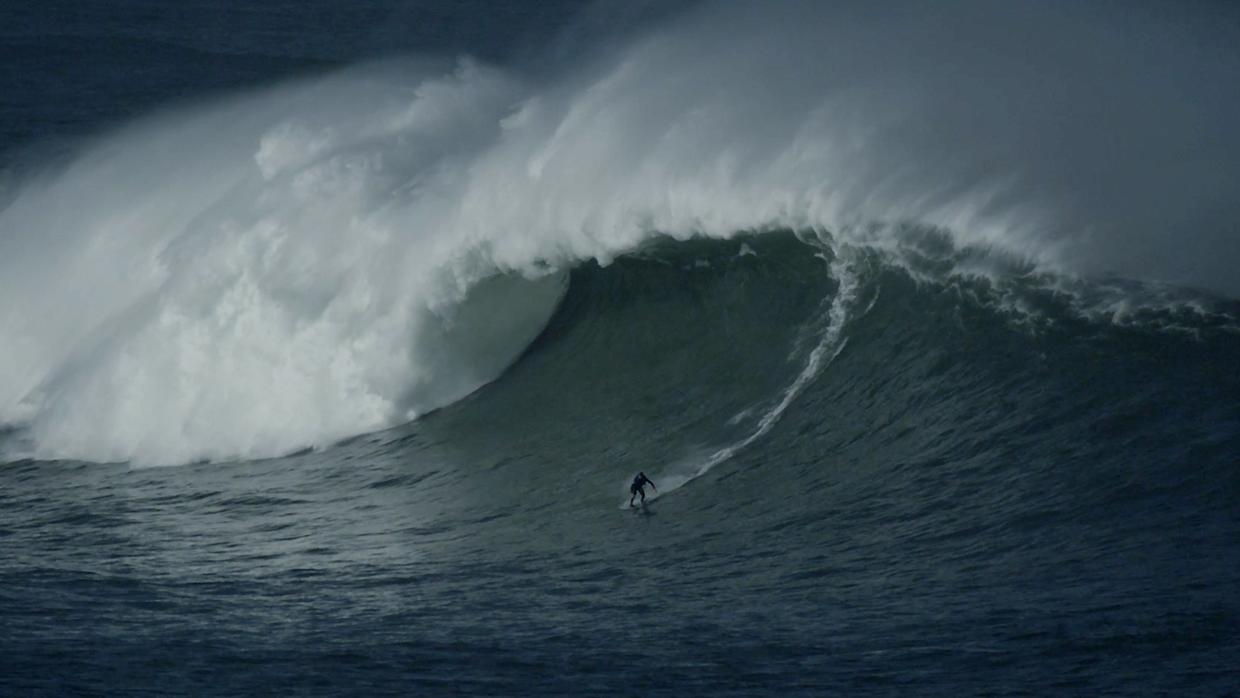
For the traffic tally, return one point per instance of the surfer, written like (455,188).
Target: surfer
(638,487)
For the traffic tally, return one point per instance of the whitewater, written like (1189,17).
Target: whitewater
(923,319)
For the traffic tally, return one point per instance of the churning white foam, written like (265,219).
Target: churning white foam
(254,277)
(295,265)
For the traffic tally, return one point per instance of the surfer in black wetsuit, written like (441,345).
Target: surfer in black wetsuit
(638,487)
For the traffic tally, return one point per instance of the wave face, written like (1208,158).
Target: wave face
(300,264)
(693,357)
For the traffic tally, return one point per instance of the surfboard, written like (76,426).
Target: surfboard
(639,504)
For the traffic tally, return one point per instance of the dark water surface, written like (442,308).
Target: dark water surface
(962,507)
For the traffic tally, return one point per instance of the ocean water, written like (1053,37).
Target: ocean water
(331,338)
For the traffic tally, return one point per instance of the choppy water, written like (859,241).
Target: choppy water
(319,430)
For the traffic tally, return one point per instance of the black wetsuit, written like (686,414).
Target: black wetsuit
(638,487)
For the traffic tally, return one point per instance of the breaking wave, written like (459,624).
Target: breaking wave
(295,265)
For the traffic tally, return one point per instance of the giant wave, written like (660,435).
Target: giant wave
(295,265)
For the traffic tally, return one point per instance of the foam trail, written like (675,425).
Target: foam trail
(830,344)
